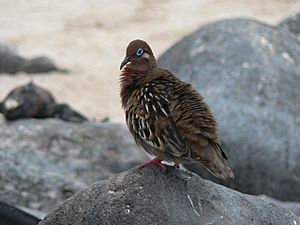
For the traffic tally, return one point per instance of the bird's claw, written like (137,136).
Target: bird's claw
(155,161)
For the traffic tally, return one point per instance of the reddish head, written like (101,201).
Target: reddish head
(139,56)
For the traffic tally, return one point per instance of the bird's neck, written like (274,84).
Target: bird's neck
(129,81)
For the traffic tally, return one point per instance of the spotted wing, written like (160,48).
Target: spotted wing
(191,114)
(193,118)
(152,125)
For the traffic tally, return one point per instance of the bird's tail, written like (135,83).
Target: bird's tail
(217,162)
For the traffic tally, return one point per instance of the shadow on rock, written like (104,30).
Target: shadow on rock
(10,215)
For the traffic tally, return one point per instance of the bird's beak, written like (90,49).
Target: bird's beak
(125,61)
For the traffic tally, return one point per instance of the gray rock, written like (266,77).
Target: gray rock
(11,62)
(292,24)
(43,162)
(292,206)
(36,213)
(149,196)
(249,73)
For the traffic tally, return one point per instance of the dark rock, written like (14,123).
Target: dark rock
(291,24)
(10,215)
(11,62)
(41,64)
(43,162)
(32,101)
(1,107)
(149,196)
(65,112)
(249,73)
(36,213)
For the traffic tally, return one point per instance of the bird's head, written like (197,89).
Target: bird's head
(139,56)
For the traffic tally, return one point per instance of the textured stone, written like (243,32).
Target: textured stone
(292,206)
(149,196)
(46,161)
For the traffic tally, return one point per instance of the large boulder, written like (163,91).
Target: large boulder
(43,162)
(292,24)
(249,73)
(150,196)
(11,62)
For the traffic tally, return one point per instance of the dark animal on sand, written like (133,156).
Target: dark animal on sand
(32,101)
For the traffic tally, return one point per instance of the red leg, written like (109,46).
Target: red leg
(176,166)
(155,161)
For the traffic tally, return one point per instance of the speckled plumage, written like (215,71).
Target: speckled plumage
(167,117)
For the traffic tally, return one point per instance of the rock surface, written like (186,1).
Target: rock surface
(11,62)
(292,24)
(43,162)
(249,73)
(10,215)
(149,196)
(292,206)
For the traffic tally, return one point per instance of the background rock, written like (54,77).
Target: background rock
(44,162)
(292,24)
(11,62)
(149,196)
(249,73)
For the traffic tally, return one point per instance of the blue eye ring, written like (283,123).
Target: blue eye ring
(139,52)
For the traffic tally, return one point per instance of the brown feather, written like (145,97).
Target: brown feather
(168,118)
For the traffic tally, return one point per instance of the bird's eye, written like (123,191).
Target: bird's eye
(139,52)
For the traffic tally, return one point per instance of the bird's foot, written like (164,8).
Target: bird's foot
(155,161)
(176,166)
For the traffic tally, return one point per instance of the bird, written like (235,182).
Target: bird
(167,117)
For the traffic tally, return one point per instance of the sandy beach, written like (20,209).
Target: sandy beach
(89,39)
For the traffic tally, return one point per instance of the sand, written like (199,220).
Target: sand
(89,38)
